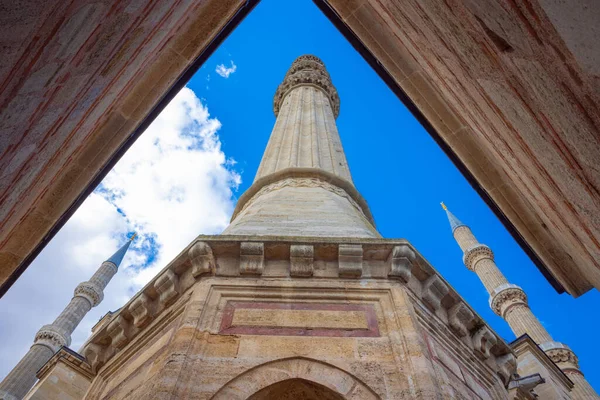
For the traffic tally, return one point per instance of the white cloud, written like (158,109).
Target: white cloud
(224,71)
(172,185)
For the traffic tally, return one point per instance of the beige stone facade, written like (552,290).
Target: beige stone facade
(208,328)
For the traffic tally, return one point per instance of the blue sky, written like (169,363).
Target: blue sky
(395,164)
(180,179)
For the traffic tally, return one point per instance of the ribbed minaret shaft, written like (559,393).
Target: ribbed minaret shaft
(50,338)
(510,302)
(303,185)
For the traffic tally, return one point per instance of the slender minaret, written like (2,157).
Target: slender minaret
(303,186)
(50,338)
(510,302)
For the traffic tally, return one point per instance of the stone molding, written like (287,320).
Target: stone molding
(433,290)
(483,340)
(460,317)
(476,253)
(307,71)
(167,286)
(252,258)
(142,309)
(119,331)
(350,259)
(344,257)
(69,357)
(302,259)
(51,337)
(505,296)
(90,291)
(336,183)
(401,262)
(203,260)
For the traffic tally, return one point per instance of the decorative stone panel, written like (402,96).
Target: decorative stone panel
(301,260)
(505,296)
(252,258)
(433,290)
(476,253)
(167,285)
(119,332)
(459,318)
(51,337)
(142,309)
(203,260)
(483,341)
(89,291)
(507,366)
(401,262)
(350,258)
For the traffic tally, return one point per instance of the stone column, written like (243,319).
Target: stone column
(50,338)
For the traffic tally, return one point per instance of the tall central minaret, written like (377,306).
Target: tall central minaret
(510,302)
(303,186)
(50,338)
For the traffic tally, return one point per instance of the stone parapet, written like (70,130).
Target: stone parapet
(243,257)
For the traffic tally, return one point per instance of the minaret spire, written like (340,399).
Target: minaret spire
(50,338)
(510,302)
(303,186)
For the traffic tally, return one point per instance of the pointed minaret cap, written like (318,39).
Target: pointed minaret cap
(119,254)
(454,222)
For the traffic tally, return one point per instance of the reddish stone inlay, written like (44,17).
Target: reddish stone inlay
(368,309)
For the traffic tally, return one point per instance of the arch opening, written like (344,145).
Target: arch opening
(296,389)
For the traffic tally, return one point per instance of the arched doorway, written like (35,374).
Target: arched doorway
(296,389)
(279,378)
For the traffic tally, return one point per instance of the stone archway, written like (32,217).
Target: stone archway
(296,389)
(296,373)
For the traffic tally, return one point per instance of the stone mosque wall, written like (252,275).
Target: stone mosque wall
(379,325)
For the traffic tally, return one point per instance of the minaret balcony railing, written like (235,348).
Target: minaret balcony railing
(476,253)
(505,297)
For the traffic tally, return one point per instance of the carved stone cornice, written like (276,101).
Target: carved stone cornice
(401,262)
(476,253)
(505,296)
(240,256)
(51,337)
(89,291)
(307,70)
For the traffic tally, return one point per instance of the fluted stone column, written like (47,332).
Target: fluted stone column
(50,338)
(303,186)
(510,302)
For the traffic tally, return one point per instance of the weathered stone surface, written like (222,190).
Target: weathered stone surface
(350,260)
(302,260)
(433,290)
(401,259)
(203,260)
(252,258)
(167,286)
